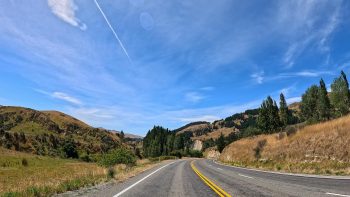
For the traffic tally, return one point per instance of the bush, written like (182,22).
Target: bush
(118,156)
(70,149)
(195,153)
(161,158)
(85,157)
(24,162)
(110,172)
(176,153)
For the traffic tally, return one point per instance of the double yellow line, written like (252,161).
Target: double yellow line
(212,185)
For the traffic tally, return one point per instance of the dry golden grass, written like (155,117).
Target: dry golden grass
(62,119)
(320,148)
(41,171)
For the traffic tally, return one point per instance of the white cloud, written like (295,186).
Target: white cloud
(258,77)
(65,10)
(293,100)
(194,97)
(305,27)
(66,97)
(208,118)
(207,88)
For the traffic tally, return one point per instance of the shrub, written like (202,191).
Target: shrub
(24,162)
(176,153)
(85,157)
(195,153)
(118,156)
(110,173)
(259,148)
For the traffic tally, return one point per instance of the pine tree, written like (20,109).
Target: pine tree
(340,95)
(309,104)
(323,103)
(122,135)
(268,119)
(220,143)
(284,112)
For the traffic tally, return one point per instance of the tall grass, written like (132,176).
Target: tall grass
(323,148)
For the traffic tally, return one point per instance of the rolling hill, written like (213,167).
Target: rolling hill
(51,133)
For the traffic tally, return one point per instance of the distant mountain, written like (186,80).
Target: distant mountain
(128,135)
(50,132)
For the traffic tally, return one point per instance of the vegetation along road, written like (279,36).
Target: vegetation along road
(203,177)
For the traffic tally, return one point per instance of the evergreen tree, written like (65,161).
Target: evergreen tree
(220,143)
(340,95)
(122,135)
(309,104)
(323,104)
(284,112)
(268,119)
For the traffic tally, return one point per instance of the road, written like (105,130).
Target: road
(178,178)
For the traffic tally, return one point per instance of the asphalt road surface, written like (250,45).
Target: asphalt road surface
(178,178)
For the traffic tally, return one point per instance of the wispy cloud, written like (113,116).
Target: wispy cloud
(302,18)
(207,88)
(293,100)
(258,77)
(113,31)
(60,96)
(194,97)
(65,10)
(207,118)
(66,97)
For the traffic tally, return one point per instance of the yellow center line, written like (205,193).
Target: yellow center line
(207,181)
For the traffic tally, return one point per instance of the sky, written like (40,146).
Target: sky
(131,64)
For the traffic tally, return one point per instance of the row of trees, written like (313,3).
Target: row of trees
(319,105)
(271,117)
(160,142)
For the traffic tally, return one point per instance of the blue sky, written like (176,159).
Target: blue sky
(169,62)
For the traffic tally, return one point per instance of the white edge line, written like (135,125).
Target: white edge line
(219,168)
(334,194)
(245,176)
(289,174)
(133,185)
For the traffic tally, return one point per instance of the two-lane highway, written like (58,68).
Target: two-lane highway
(207,178)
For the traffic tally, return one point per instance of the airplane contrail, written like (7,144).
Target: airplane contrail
(112,29)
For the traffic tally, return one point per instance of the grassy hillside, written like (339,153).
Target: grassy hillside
(51,133)
(31,174)
(321,148)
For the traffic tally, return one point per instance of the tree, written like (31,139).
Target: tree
(323,103)
(268,119)
(122,135)
(70,149)
(283,112)
(220,143)
(340,95)
(309,104)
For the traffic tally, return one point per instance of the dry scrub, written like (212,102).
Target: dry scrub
(322,148)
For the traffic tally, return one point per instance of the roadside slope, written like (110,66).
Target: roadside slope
(322,148)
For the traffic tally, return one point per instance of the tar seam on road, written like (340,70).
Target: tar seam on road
(133,185)
(212,185)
